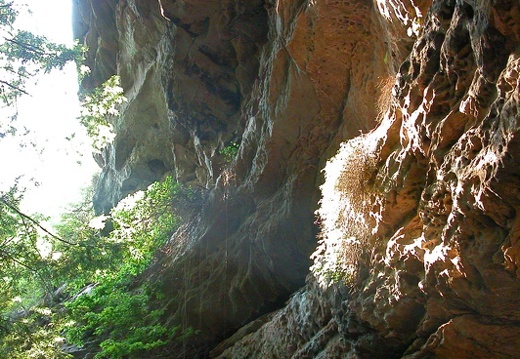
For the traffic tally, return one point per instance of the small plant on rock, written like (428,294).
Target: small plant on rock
(229,152)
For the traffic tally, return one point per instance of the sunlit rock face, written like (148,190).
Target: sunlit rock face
(416,106)
(418,256)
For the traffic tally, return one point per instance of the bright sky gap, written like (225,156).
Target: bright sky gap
(60,163)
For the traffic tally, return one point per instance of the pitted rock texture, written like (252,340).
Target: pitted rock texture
(418,252)
(417,257)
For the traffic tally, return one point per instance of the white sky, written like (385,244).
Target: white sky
(51,171)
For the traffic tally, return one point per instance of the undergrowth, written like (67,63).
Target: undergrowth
(101,303)
(125,320)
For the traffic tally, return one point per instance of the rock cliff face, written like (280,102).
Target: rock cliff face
(410,107)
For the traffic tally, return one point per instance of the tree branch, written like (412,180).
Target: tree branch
(11,70)
(5,254)
(26,46)
(23,215)
(14,87)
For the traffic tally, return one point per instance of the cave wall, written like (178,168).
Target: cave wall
(417,256)
(415,103)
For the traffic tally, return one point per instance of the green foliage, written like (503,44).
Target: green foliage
(122,318)
(99,108)
(24,277)
(229,152)
(91,253)
(23,242)
(34,261)
(20,254)
(23,55)
(140,224)
(28,49)
(339,273)
(8,14)
(145,220)
(36,334)
(125,321)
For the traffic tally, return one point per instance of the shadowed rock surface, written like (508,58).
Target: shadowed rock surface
(411,108)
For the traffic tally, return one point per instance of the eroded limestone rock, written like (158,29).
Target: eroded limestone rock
(418,254)
(422,231)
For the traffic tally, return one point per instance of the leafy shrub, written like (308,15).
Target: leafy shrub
(140,224)
(33,334)
(125,320)
(229,152)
